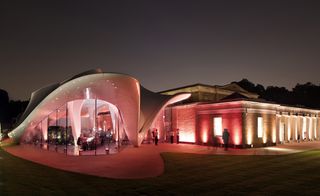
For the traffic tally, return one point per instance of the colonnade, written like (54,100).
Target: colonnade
(297,127)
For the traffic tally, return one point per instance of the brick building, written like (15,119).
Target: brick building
(251,122)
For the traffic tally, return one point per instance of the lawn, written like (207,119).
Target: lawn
(185,174)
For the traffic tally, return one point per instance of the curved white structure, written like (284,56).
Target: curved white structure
(127,99)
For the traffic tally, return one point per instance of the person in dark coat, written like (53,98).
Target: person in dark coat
(156,139)
(225,137)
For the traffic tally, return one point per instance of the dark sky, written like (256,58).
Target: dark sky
(164,44)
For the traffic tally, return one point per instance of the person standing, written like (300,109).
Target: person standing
(156,139)
(225,138)
(177,133)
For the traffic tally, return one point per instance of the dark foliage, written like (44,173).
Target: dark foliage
(10,110)
(306,95)
(4,104)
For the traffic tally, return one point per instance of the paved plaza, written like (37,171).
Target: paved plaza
(142,162)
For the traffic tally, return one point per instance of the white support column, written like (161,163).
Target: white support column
(309,128)
(300,127)
(288,128)
(278,120)
(318,126)
(74,113)
(296,128)
(304,127)
(44,128)
(314,123)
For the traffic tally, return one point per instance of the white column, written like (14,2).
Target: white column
(288,128)
(296,128)
(304,127)
(314,123)
(309,128)
(74,113)
(44,127)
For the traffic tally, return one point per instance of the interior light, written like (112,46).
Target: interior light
(87,92)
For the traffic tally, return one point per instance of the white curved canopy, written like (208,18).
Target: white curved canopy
(137,109)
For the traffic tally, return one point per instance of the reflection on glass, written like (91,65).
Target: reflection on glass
(100,129)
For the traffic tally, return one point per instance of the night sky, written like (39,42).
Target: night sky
(164,44)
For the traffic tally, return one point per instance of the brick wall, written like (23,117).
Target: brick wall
(183,118)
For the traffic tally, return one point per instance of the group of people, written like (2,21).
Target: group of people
(155,137)
(87,142)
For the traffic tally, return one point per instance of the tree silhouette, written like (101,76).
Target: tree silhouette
(306,95)
(10,110)
(4,104)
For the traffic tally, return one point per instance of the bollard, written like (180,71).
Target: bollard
(107,151)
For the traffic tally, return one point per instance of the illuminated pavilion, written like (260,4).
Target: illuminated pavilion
(100,108)
(109,110)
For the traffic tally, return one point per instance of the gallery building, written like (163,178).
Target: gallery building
(97,112)
(251,122)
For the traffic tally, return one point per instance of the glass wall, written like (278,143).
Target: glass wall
(81,127)
(102,129)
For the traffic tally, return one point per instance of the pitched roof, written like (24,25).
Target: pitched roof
(235,95)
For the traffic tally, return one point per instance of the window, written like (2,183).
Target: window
(260,127)
(217,126)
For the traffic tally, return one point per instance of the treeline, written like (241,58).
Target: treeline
(10,110)
(302,95)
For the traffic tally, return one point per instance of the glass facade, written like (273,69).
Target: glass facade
(97,128)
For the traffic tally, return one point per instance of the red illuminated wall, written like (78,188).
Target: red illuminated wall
(231,114)
(183,118)
(204,132)
(230,121)
(195,122)
(233,122)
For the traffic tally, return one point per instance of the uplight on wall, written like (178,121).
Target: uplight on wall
(204,137)
(249,136)
(281,131)
(260,127)
(274,135)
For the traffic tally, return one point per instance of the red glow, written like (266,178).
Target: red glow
(230,120)
(205,136)
(236,137)
(183,119)
(186,136)
(204,129)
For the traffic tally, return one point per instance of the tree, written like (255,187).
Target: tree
(307,94)
(302,94)
(10,110)
(4,103)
